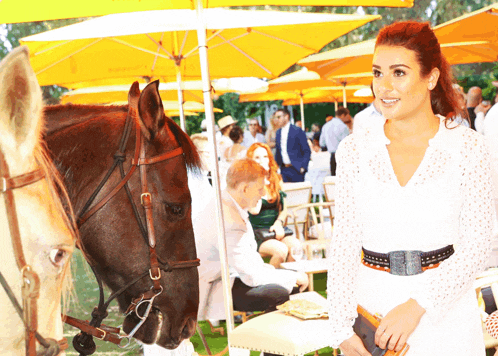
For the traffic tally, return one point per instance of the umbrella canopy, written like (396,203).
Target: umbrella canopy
(479,25)
(290,95)
(170,106)
(334,97)
(12,11)
(192,91)
(154,43)
(306,79)
(358,57)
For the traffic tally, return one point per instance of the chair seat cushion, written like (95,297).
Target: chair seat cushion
(282,334)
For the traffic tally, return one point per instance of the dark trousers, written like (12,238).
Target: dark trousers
(291,174)
(261,298)
(333,164)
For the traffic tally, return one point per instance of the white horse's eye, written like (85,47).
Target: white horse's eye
(58,257)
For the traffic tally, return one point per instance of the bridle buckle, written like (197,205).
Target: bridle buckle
(142,197)
(103,336)
(155,278)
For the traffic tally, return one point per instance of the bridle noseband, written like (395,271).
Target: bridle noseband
(30,289)
(83,342)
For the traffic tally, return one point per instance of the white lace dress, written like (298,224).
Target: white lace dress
(449,200)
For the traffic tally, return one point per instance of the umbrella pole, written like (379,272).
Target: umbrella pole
(336,104)
(179,81)
(208,104)
(301,104)
(180,99)
(344,101)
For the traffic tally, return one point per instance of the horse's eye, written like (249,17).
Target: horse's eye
(175,210)
(58,257)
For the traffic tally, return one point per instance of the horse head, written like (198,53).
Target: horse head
(37,237)
(115,242)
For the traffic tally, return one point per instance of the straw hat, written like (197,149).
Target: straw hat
(225,121)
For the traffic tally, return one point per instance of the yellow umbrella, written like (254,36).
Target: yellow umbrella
(154,43)
(168,105)
(192,91)
(479,25)
(12,11)
(358,57)
(334,97)
(306,79)
(163,44)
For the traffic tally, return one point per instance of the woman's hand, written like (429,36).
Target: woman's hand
(354,347)
(398,325)
(279,230)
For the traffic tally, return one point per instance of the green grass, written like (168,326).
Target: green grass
(85,298)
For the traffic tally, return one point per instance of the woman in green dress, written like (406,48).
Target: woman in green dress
(271,210)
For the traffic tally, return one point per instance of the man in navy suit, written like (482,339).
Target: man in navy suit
(292,150)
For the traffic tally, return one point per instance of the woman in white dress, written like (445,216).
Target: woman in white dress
(418,182)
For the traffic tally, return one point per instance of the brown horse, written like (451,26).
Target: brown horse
(83,141)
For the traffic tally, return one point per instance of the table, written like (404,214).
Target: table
(309,267)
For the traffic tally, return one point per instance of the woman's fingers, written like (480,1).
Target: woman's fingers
(379,332)
(401,342)
(393,341)
(384,339)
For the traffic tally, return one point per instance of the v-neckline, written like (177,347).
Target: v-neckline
(419,167)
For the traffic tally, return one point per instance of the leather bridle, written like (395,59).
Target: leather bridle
(30,289)
(83,342)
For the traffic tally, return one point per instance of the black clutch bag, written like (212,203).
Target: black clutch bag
(365,326)
(266,234)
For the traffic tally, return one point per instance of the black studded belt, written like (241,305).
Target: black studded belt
(406,263)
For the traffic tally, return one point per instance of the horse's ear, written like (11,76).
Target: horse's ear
(20,103)
(150,108)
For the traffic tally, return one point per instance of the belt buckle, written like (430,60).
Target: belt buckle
(405,263)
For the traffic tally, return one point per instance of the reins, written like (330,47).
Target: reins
(30,289)
(83,342)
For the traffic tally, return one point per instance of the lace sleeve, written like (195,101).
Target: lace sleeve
(455,276)
(344,251)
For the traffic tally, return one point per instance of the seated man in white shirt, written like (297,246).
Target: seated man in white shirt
(256,285)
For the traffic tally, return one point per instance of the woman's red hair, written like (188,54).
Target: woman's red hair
(274,178)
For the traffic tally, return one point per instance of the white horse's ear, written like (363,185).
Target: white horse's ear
(20,103)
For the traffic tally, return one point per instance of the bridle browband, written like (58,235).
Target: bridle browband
(30,289)
(83,342)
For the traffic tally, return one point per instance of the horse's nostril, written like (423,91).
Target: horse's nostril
(189,328)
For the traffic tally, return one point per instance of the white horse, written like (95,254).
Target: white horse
(45,223)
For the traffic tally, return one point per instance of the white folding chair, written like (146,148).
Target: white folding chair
(297,194)
(329,189)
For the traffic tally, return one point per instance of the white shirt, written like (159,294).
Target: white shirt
(249,139)
(333,132)
(222,143)
(367,117)
(284,135)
